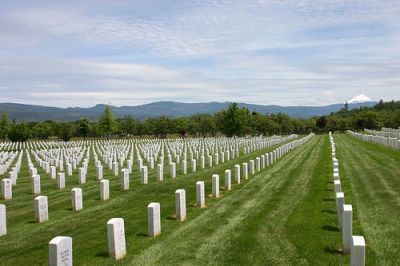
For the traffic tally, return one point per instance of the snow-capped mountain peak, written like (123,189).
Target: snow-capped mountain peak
(362,98)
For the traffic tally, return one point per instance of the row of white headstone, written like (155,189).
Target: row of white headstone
(355,245)
(49,165)
(385,132)
(41,202)
(60,247)
(393,143)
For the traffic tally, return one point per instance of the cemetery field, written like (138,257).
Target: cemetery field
(283,215)
(371,172)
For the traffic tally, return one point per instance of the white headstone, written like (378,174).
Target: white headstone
(35,180)
(245,171)
(77,200)
(184,167)
(237,173)
(215,186)
(200,195)
(6,188)
(160,172)
(60,251)
(104,189)
(357,253)
(144,175)
(180,203)
(228,179)
(41,209)
(3,220)
(339,206)
(61,180)
(69,169)
(337,186)
(193,165)
(115,168)
(252,170)
(258,164)
(99,172)
(116,238)
(124,179)
(347,230)
(82,175)
(172,168)
(53,172)
(153,219)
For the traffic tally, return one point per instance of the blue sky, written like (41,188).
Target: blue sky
(81,53)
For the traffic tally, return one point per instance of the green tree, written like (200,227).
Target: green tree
(19,132)
(128,126)
(42,130)
(203,125)
(234,121)
(4,126)
(64,131)
(106,122)
(84,127)
(321,123)
(160,126)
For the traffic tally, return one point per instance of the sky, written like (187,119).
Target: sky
(298,52)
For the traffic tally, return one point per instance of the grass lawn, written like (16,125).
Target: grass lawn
(284,215)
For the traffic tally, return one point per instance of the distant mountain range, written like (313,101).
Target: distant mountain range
(24,112)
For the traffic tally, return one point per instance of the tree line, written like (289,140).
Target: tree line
(233,121)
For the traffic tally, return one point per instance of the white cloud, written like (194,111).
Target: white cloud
(272,52)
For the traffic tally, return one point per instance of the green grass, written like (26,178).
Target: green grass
(371,173)
(284,215)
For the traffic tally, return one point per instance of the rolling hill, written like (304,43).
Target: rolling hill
(24,112)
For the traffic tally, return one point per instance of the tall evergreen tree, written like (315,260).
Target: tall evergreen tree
(106,122)
(4,126)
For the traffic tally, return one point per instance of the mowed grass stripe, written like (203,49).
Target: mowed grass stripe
(370,175)
(230,231)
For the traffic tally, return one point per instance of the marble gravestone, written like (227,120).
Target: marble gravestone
(104,189)
(180,204)
(3,220)
(153,219)
(228,179)
(160,172)
(60,251)
(144,175)
(347,227)
(215,186)
(237,173)
(6,188)
(124,179)
(357,252)
(200,194)
(41,209)
(35,180)
(61,180)
(99,172)
(116,238)
(77,200)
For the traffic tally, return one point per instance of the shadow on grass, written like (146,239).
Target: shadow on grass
(103,254)
(329,211)
(330,228)
(328,189)
(332,250)
(326,199)
(142,234)
(171,217)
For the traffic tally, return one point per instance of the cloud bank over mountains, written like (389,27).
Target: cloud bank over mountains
(75,53)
